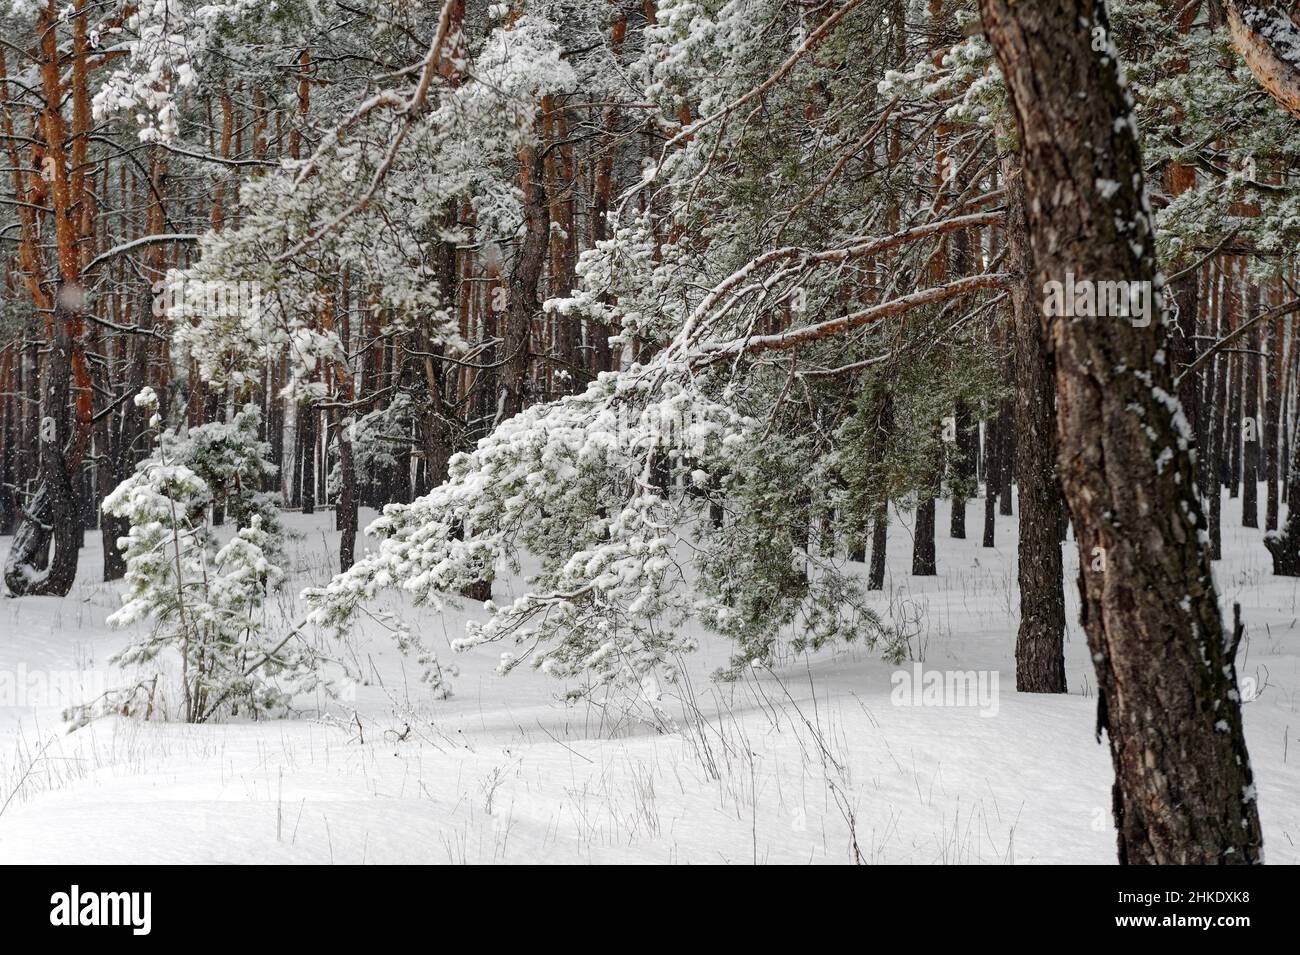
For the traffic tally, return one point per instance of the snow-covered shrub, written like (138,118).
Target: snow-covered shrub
(206,602)
(233,461)
(620,571)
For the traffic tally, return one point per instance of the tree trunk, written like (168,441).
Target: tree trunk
(1006,453)
(992,478)
(307,430)
(1214,461)
(65,431)
(880,513)
(345,516)
(924,562)
(525,274)
(1251,424)
(1272,381)
(962,466)
(1040,641)
(879,541)
(1166,677)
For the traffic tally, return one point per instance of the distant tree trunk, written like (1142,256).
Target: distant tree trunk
(307,427)
(1213,470)
(1186,297)
(1236,365)
(962,465)
(1251,424)
(879,541)
(992,477)
(1204,410)
(1284,545)
(295,493)
(965,448)
(397,483)
(1166,678)
(1178,179)
(9,431)
(1289,418)
(125,422)
(345,509)
(923,557)
(275,419)
(1007,452)
(880,513)
(1040,641)
(525,275)
(924,563)
(345,516)
(1272,406)
(121,453)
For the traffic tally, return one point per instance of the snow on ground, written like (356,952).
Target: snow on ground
(808,762)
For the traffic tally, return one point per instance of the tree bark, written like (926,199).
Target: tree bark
(1214,459)
(992,477)
(962,467)
(1284,545)
(307,444)
(65,377)
(1272,382)
(924,561)
(1167,689)
(880,514)
(879,541)
(525,275)
(1007,452)
(1040,641)
(1251,423)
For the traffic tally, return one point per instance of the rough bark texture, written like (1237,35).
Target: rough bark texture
(525,276)
(65,380)
(1186,297)
(1166,678)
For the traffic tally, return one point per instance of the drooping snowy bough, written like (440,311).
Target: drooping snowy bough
(1269,41)
(631,498)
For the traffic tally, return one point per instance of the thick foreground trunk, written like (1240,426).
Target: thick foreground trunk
(54,514)
(1166,679)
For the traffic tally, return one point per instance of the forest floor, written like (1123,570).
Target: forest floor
(812,761)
